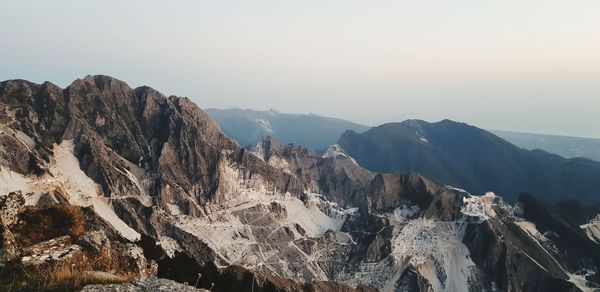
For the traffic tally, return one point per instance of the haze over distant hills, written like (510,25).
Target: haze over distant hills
(248,127)
(458,154)
(447,152)
(565,146)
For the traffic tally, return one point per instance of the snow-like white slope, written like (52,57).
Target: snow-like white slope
(102,207)
(274,161)
(258,151)
(578,280)
(265,125)
(280,163)
(336,151)
(82,190)
(433,248)
(169,245)
(11,181)
(136,175)
(421,137)
(66,174)
(65,171)
(263,229)
(481,207)
(592,229)
(436,250)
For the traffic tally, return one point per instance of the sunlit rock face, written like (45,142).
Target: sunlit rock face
(154,165)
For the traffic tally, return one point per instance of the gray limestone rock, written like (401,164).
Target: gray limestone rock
(143,285)
(11,205)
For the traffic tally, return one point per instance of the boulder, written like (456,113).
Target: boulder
(135,255)
(54,197)
(53,250)
(96,241)
(11,206)
(9,250)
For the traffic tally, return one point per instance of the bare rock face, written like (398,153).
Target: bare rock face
(34,117)
(341,180)
(136,257)
(11,206)
(96,241)
(54,250)
(132,142)
(9,249)
(412,281)
(53,197)
(389,191)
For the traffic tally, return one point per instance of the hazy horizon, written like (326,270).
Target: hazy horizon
(527,67)
(398,121)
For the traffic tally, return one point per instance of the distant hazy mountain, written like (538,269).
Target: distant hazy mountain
(565,146)
(458,154)
(248,127)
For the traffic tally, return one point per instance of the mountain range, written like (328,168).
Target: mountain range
(166,185)
(248,127)
(458,154)
(316,132)
(447,152)
(569,147)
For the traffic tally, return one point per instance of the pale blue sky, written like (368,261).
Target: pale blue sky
(514,65)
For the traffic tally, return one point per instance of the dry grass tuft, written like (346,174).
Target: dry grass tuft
(69,275)
(80,271)
(40,224)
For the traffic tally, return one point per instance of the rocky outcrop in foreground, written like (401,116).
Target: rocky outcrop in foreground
(143,285)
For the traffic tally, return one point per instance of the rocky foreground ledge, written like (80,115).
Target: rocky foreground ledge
(143,285)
